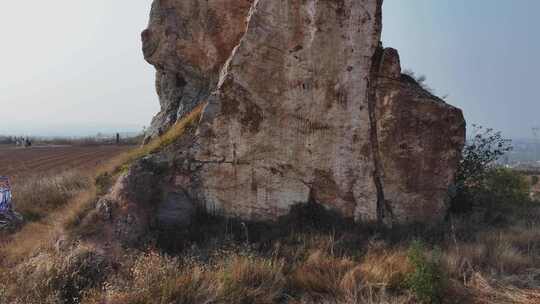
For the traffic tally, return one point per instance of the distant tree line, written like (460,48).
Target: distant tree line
(12,140)
(115,139)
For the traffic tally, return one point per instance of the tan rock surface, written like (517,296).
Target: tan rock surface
(290,117)
(188,41)
(303,104)
(419,142)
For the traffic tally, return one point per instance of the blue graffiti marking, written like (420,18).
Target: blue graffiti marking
(5,195)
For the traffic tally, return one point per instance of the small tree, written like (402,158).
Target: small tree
(479,156)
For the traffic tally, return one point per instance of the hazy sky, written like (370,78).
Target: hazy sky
(75,66)
(484,53)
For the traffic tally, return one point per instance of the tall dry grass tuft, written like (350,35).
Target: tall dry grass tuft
(387,268)
(320,276)
(33,238)
(55,276)
(248,279)
(502,251)
(120,162)
(36,197)
(75,213)
(487,291)
(161,280)
(55,199)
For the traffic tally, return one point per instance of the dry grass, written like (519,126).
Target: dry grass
(233,277)
(248,279)
(48,203)
(375,278)
(36,197)
(55,276)
(484,271)
(33,238)
(498,266)
(386,268)
(72,216)
(159,279)
(501,265)
(487,291)
(479,273)
(501,251)
(162,280)
(121,162)
(321,275)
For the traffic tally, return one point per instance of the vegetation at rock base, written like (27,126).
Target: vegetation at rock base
(118,164)
(484,254)
(347,265)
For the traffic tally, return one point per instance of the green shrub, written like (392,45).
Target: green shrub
(479,154)
(506,187)
(476,168)
(427,281)
(499,195)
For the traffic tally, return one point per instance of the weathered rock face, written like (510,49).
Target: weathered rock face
(302,104)
(188,42)
(290,118)
(419,140)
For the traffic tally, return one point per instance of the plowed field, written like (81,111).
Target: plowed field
(19,162)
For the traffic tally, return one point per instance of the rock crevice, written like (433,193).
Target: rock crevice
(384,213)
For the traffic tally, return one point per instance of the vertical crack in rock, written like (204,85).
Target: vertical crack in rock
(374,138)
(384,212)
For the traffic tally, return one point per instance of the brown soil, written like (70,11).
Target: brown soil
(20,162)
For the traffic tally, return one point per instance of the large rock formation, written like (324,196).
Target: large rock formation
(302,104)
